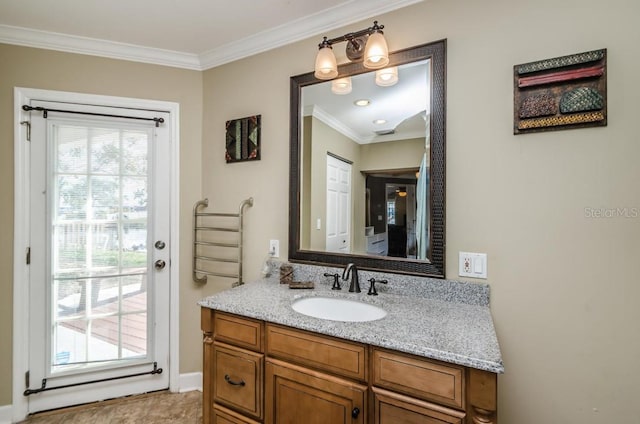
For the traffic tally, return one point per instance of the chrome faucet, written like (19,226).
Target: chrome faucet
(352,271)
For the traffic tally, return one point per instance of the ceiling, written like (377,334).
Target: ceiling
(191,34)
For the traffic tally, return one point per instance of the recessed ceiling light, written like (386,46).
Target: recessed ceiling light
(362,102)
(380,121)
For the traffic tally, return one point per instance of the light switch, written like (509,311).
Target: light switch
(477,266)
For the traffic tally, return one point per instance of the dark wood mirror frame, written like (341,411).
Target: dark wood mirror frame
(435,266)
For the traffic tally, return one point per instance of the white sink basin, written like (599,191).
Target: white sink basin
(337,309)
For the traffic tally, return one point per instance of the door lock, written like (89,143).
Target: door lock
(159,245)
(160,264)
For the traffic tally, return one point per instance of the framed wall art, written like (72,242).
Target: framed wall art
(561,93)
(243,139)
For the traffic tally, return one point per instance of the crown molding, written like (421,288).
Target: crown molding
(309,26)
(96,47)
(333,122)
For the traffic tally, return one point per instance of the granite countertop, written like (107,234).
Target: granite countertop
(451,331)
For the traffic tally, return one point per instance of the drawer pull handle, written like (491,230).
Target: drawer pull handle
(355,412)
(228,379)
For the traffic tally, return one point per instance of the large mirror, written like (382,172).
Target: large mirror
(367,179)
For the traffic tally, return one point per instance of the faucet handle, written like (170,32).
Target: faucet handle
(336,282)
(372,288)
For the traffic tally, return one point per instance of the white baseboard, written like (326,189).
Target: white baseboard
(189,382)
(5,414)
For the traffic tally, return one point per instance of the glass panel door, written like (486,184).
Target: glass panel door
(98,246)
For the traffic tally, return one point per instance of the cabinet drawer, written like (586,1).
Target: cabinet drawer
(393,408)
(419,377)
(237,379)
(239,331)
(221,415)
(348,359)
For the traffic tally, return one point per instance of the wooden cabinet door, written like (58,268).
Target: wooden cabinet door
(295,395)
(394,408)
(222,415)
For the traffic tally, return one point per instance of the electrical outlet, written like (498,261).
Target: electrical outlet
(466,264)
(472,265)
(274,248)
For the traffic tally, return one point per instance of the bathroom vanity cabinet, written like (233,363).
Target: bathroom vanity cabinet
(257,371)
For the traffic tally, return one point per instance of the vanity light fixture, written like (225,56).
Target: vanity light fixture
(362,102)
(341,86)
(387,77)
(367,45)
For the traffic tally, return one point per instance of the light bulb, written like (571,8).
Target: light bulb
(376,53)
(326,65)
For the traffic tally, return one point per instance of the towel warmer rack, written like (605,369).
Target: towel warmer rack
(209,244)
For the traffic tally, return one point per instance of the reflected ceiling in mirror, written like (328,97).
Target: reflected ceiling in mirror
(387,113)
(367,182)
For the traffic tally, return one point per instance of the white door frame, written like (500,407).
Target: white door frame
(21,228)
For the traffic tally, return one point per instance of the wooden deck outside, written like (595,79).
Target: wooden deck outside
(134,326)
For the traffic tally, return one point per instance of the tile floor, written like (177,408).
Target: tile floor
(153,408)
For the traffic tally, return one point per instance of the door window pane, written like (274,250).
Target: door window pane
(98,253)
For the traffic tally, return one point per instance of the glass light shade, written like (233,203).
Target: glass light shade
(376,52)
(387,77)
(326,65)
(341,86)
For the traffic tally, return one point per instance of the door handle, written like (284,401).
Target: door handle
(160,264)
